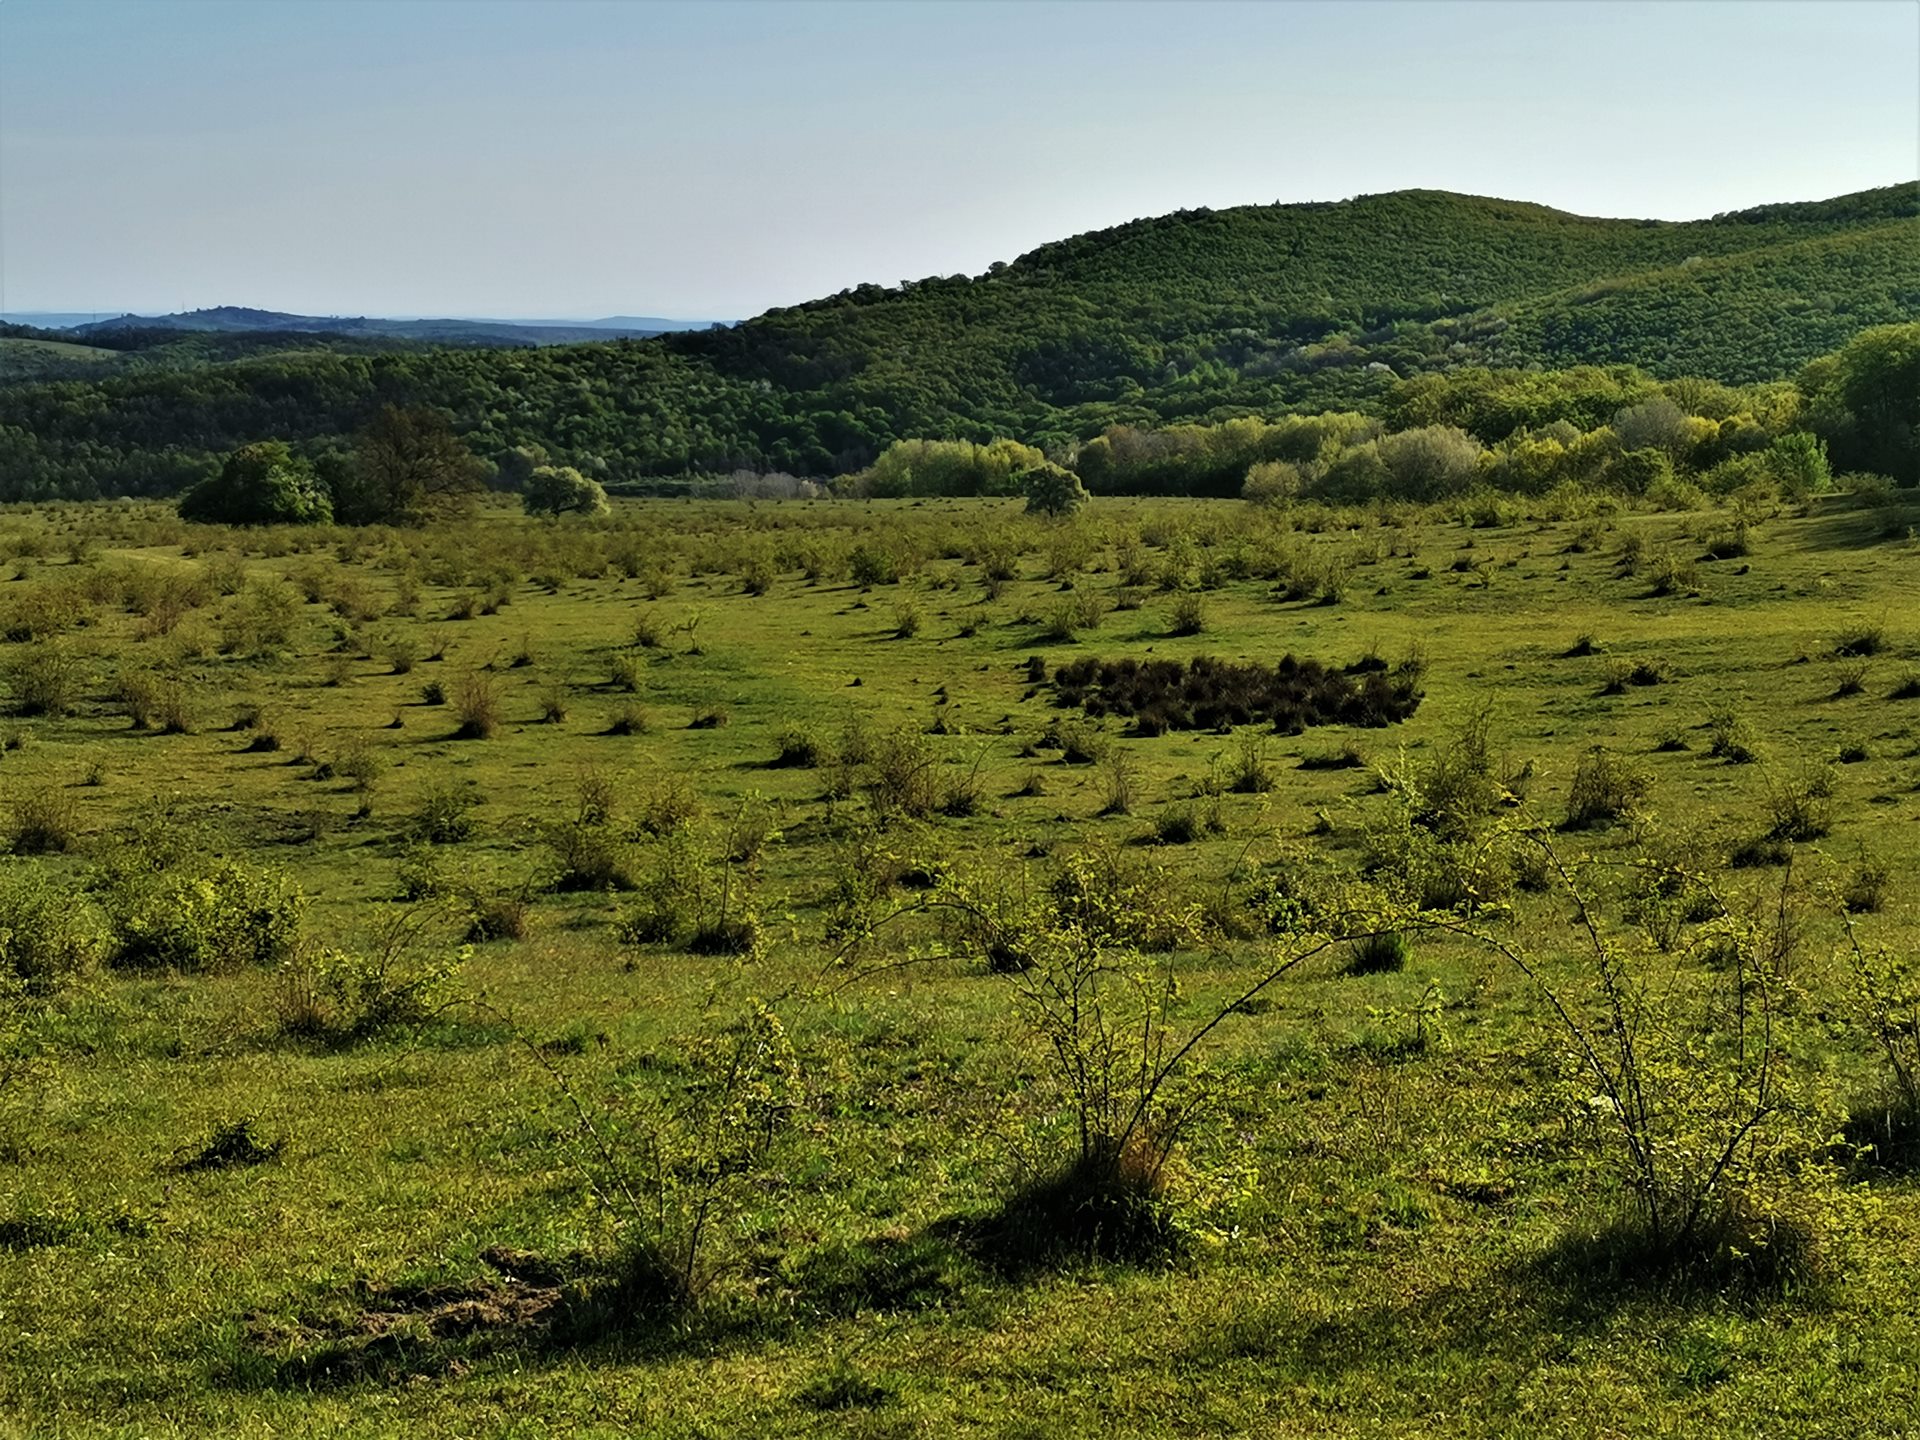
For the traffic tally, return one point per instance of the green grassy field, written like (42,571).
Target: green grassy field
(1375,1209)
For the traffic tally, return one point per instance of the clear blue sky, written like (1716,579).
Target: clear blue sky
(580,158)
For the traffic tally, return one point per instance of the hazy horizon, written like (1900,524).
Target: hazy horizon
(513,161)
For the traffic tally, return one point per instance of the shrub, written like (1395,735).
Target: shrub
(47,935)
(1119,770)
(343,997)
(1800,807)
(1206,693)
(1251,774)
(1860,641)
(231,1146)
(1606,787)
(1381,953)
(44,677)
(445,815)
(1866,886)
(628,719)
(623,672)
(1177,825)
(41,821)
(588,856)
(476,706)
(902,779)
(421,876)
(798,749)
(667,809)
(200,916)
(401,651)
(1189,615)
(360,764)
(1730,738)
(497,917)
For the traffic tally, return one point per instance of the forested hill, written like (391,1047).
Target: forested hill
(1198,314)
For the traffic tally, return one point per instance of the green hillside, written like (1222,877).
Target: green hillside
(1197,315)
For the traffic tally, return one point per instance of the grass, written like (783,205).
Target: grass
(1362,1231)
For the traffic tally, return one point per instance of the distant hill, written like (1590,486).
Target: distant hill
(1197,315)
(239,319)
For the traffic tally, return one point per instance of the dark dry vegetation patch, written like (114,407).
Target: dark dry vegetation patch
(1206,693)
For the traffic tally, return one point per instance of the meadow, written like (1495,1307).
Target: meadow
(692,971)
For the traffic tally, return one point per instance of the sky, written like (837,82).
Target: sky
(584,158)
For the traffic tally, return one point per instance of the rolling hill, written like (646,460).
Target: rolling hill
(1199,314)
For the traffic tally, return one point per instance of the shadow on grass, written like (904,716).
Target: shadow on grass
(1526,1313)
(536,1310)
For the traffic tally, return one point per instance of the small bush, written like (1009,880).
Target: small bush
(497,917)
(709,717)
(623,672)
(445,815)
(588,857)
(342,997)
(477,706)
(798,749)
(1866,886)
(433,693)
(41,821)
(628,719)
(1730,738)
(48,935)
(200,917)
(1109,1203)
(45,679)
(1801,806)
(1385,953)
(231,1146)
(902,779)
(1859,641)
(1177,825)
(1606,787)
(1189,615)
(1251,774)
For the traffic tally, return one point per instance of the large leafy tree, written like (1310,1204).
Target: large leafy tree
(1868,398)
(260,484)
(556,489)
(407,467)
(1051,490)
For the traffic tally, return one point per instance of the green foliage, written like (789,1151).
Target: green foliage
(1866,398)
(1253,310)
(1606,787)
(1051,490)
(679,1166)
(558,489)
(196,914)
(343,997)
(48,935)
(260,484)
